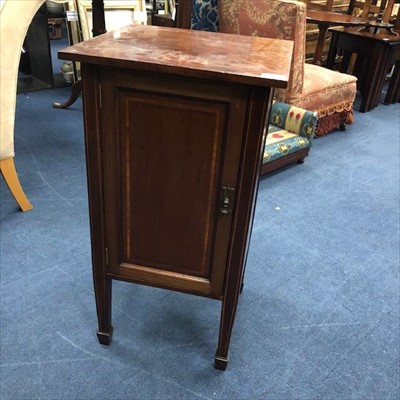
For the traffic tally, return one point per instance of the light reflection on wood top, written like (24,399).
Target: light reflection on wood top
(209,55)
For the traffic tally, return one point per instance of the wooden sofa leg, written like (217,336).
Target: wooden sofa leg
(7,169)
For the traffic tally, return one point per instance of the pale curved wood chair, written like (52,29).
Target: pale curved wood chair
(15,18)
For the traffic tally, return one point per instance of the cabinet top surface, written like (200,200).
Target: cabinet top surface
(200,54)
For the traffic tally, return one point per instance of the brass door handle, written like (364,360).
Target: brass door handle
(227,198)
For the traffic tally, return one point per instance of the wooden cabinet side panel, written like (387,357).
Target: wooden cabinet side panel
(91,105)
(248,179)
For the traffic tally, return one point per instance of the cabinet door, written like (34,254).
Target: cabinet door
(171,150)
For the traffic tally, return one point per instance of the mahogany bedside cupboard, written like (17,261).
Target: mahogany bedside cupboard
(174,131)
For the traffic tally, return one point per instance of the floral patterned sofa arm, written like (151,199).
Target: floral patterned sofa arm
(289,135)
(272,19)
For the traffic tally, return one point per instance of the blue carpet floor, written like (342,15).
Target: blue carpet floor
(318,318)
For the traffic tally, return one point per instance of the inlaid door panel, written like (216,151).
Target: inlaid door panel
(169,163)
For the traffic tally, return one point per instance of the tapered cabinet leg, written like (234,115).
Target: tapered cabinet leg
(221,363)
(103,303)
(7,169)
(225,330)
(222,354)
(229,304)
(105,336)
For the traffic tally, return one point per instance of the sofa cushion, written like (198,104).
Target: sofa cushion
(280,143)
(326,91)
(293,119)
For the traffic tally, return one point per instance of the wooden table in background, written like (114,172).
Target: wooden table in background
(325,20)
(174,123)
(377,52)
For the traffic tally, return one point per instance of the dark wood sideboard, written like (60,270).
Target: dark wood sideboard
(376,54)
(174,129)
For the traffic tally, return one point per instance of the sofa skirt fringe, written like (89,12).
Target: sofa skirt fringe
(328,122)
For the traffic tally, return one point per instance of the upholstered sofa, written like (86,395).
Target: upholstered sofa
(290,128)
(330,93)
(290,131)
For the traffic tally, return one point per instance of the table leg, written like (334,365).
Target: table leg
(351,7)
(381,76)
(393,93)
(320,44)
(344,66)
(374,81)
(330,62)
(76,90)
